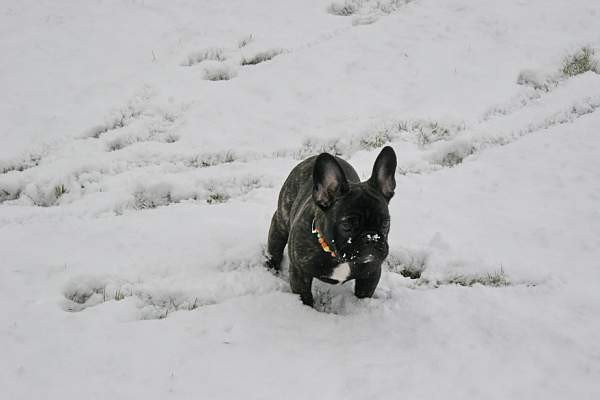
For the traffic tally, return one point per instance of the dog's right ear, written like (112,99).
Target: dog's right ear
(329,181)
(384,171)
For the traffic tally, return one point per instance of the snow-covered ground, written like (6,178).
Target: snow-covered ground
(142,147)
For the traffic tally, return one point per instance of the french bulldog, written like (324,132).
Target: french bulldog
(335,226)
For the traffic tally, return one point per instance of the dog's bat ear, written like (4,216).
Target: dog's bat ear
(383,176)
(329,181)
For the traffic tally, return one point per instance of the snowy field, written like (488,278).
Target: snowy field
(142,147)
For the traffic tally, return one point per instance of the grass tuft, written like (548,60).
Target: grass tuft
(494,279)
(115,145)
(581,61)
(212,159)
(171,138)
(261,57)
(537,80)
(452,159)
(456,154)
(6,194)
(213,53)
(219,72)
(345,8)
(376,140)
(409,264)
(33,160)
(217,198)
(59,190)
(152,197)
(119,295)
(245,41)
(428,133)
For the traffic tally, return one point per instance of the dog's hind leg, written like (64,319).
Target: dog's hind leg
(278,237)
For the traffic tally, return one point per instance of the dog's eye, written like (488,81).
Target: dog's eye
(346,225)
(349,224)
(385,225)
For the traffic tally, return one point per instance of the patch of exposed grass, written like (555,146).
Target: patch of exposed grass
(408,264)
(220,75)
(245,41)
(31,161)
(218,192)
(215,197)
(430,132)
(411,273)
(537,80)
(152,305)
(344,8)
(212,53)
(351,7)
(212,159)
(152,197)
(494,279)
(192,305)
(219,72)
(119,295)
(120,119)
(171,138)
(426,132)
(422,132)
(261,57)
(313,146)
(376,140)
(59,191)
(451,159)
(115,145)
(6,195)
(456,156)
(579,62)
(44,196)
(82,296)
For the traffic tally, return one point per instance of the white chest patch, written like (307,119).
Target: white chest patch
(340,273)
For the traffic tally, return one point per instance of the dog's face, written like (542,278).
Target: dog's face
(355,219)
(360,223)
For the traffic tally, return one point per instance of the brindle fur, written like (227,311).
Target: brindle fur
(297,208)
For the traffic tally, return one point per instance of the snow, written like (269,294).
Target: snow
(142,147)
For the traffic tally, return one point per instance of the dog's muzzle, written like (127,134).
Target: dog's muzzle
(369,247)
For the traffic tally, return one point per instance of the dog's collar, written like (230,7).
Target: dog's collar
(324,245)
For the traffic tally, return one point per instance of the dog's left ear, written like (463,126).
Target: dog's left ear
(383,176)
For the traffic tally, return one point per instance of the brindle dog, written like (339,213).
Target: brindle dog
(336,227)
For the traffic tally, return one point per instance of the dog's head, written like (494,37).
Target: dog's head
(355,219)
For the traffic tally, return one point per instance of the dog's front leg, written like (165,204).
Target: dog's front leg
(301,284)
(366,287)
